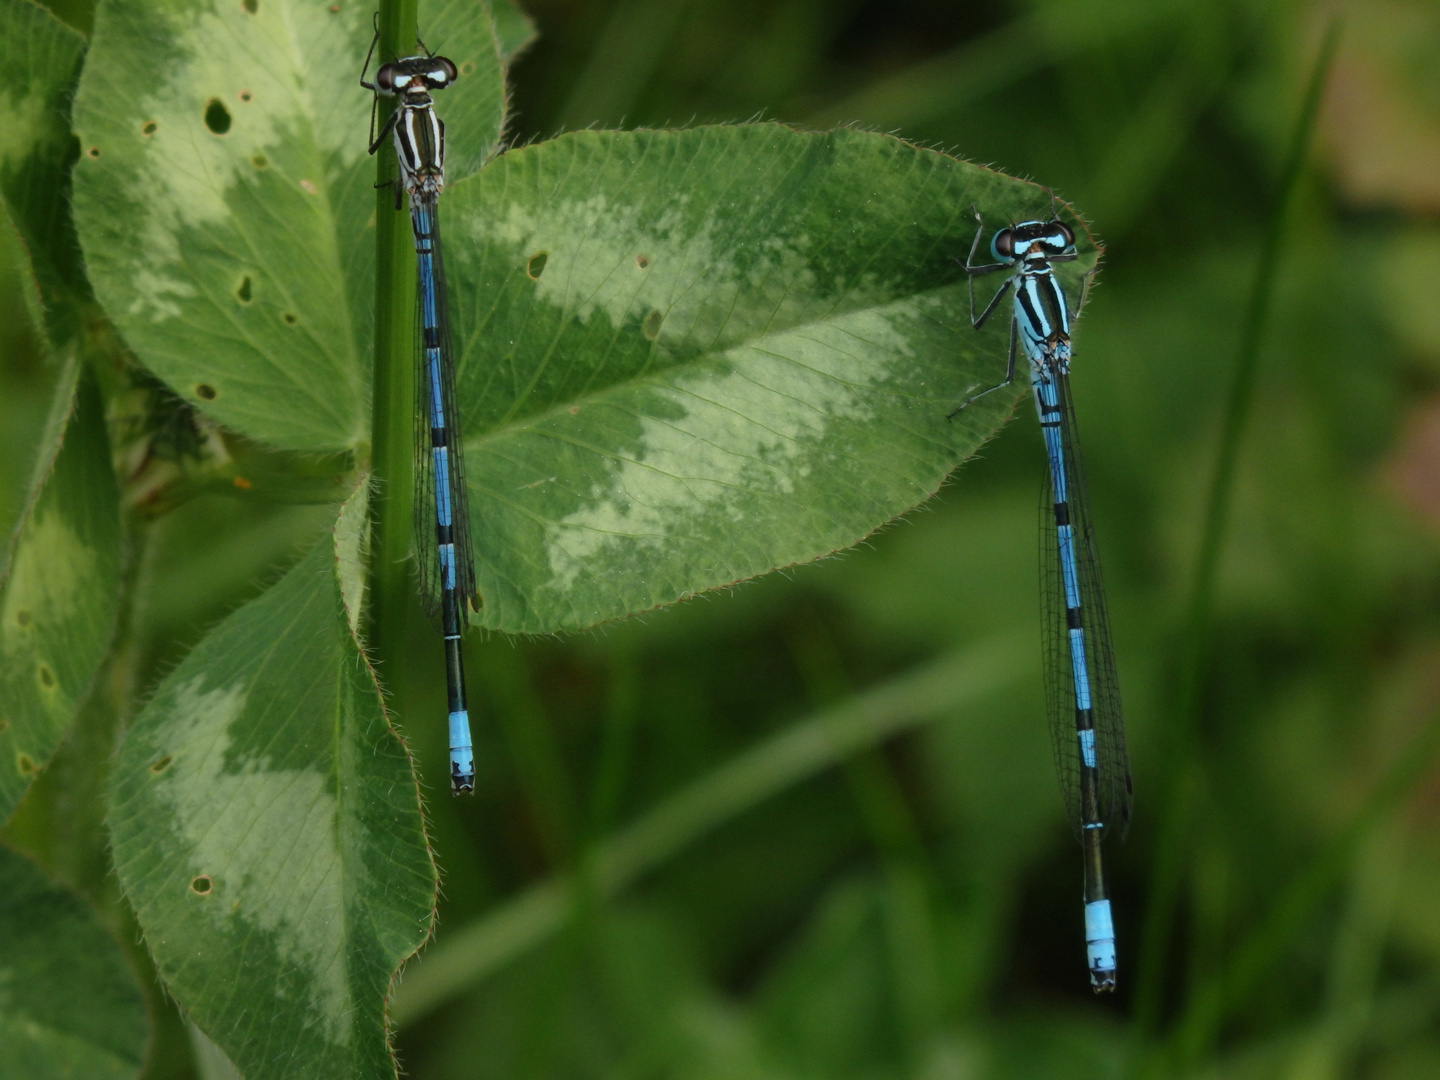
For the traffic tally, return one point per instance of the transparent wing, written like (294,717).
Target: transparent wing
(427,557)
(1112,758)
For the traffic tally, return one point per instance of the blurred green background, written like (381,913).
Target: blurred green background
(915,911)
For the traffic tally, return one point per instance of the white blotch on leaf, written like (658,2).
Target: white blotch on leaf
(729,440)
(266,838)
(53,571)
(699,278)
(297,101)
(24,125)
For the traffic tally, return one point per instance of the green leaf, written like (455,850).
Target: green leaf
(224,197)
(687,358)
(17,267)
(40,56)
(474,107)
(351,549)
(23,326)
(60,588)
(266,827)
(513,28)
(69,1004)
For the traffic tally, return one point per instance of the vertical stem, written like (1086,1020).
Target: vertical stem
(1180,778)
(393,389)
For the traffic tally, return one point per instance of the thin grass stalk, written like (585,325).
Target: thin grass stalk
(1178,776)
(392,388)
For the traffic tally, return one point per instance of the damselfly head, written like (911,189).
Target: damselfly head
(413,75)
(1033,240)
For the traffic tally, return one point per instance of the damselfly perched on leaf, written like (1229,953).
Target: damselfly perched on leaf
(447,569)
(1081,689)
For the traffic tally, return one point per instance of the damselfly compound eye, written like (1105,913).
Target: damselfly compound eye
(385,79)
(1064,232)
(1004,244)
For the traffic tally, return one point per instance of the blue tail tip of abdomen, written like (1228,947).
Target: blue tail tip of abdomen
(1100,945)
(462,757)
(462,772)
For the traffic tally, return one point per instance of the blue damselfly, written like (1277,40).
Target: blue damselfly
(1081,689)
(447,569)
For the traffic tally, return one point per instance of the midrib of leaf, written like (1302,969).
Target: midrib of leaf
(661,376)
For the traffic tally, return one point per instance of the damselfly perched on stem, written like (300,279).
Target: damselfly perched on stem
(1081,689)
(447,569)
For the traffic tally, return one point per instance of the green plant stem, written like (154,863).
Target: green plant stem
(393,392)
(825,739)
(1179,776)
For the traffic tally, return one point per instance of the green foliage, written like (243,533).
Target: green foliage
(267,830)
(68,1001)
(42,55)
(692,357)
(60,588)
(686,359)
(514,30)
(225,206)
(805,830)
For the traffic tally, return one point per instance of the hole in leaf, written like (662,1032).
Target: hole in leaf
(290,319)
(260,161)
(246,97)
(22,617)
(536,265)
(161,765)
(641,261)
(251,6)
(47,676)
(25,763)
(206,392)
(243,292)
(148,128)
(217,117)
(201,885)
(652,325)
(93,152)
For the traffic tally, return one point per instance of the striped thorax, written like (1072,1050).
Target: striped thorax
(1041,313)
(419,132)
